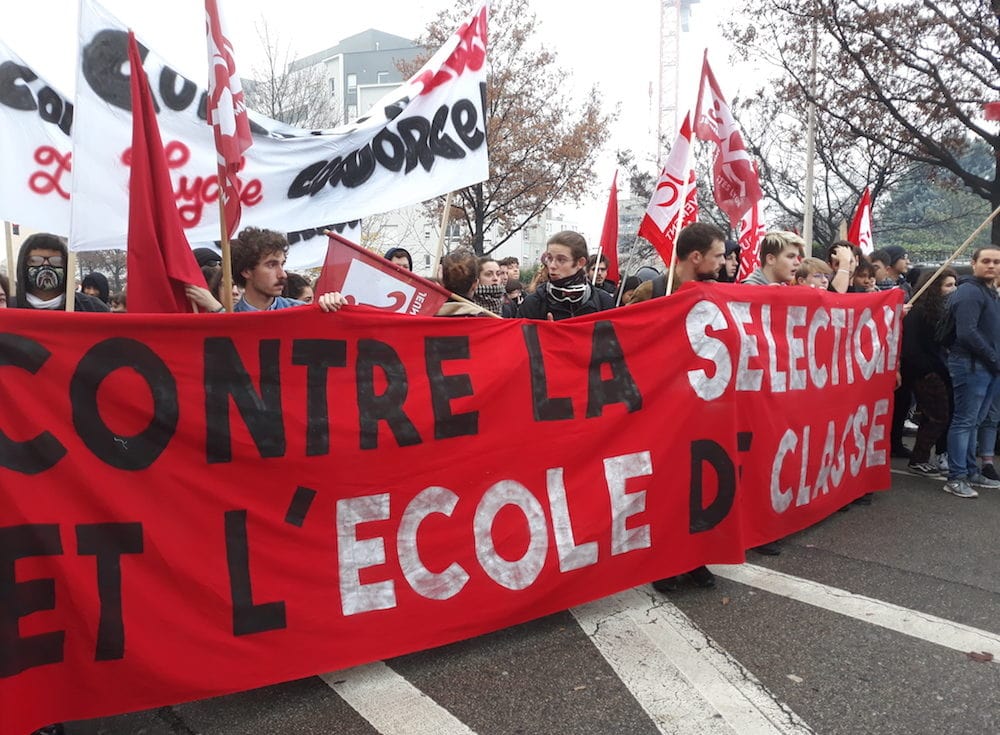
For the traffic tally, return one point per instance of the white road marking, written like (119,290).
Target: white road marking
(913,623)
(684,681)
(391,704)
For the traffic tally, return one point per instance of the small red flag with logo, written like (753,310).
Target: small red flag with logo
(737,187)
(227,114)
(367,279)
(860,231)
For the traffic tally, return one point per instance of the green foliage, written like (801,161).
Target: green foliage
(931,213)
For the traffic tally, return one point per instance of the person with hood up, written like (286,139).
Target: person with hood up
(41,277)
(96,284)
(401,257)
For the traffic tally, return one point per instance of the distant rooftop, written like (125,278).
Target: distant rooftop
(366,41)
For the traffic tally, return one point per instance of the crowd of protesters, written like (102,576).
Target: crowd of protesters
(949,374)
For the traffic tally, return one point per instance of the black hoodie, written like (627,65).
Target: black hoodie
(100,282)
(45,241)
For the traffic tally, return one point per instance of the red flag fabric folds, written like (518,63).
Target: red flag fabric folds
(860,232)
(159,260)
(737,187)
(751,231)
(227,113)
(609,233)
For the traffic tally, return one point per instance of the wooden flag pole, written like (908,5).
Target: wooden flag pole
(9,237)
(597,264)
(227,258)
(439,253)
(71,281)
(954,255)
(670,267)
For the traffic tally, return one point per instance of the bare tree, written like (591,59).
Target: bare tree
(897,83)
(109,262)
(542,143)
(300,97)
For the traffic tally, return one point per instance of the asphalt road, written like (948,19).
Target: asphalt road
(863,630)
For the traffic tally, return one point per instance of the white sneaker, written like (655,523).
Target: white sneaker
(980,480)
(960,489)
(942,461)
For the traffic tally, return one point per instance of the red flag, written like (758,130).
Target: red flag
(609,233)
(752,231)
(737,187)
(992,110)
(860,232)
(159,258)
(371,280)
(670,206)
(227,114)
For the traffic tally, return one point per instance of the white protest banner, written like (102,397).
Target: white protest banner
(35,148)
(426,138)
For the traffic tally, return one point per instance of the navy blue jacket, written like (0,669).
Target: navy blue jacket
(976,308)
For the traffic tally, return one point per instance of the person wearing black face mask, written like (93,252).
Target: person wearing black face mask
(41,277)
(567,293)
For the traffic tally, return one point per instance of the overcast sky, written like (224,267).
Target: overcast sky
(615,45)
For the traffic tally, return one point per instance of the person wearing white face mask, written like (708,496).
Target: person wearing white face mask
(566,293)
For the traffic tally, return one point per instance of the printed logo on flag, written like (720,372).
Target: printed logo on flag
(369,286)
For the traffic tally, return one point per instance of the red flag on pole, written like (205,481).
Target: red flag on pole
(669,208)
(860,232)
(737,187)
(609,233)
(752,231)
(370,280)
(159,258)
(227,114)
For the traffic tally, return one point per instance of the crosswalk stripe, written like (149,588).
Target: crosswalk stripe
(673,669)
(893,617)
(391,704)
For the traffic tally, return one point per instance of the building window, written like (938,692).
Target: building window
(382,77)
(333,86)
(352,82)
(427,260)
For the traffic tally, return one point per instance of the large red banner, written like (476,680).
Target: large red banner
(201,504)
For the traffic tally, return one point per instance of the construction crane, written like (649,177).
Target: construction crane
(674,17)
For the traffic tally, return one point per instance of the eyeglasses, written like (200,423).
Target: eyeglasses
(56,261)
(549,259)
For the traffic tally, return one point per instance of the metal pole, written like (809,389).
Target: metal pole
(807,219)
(439,253)
(227,257)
